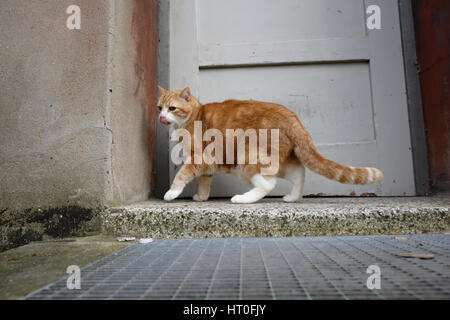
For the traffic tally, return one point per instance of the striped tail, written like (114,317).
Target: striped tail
(307,153)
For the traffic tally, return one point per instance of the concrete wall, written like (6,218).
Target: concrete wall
(133,105)
(73,109)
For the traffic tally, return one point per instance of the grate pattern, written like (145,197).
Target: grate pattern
(266,268)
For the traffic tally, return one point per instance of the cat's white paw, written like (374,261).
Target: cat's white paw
(290,198)
(172,194)
(241,198)
(196,197)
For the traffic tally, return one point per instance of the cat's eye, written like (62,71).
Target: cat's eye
(159,108)
(172,108)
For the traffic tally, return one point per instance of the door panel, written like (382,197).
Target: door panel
(237,21)
(333,109)
(315,57)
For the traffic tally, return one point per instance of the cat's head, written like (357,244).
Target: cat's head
(175,107)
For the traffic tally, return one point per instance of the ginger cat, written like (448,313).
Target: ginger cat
(295,147)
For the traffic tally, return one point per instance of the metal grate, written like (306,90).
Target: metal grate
(266,268)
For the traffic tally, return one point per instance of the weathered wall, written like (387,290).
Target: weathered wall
(74,105)
(54,140)
(133,108)
(432,24)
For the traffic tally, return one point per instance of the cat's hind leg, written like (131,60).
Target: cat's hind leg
(262,186)
(296,175)
(204,185)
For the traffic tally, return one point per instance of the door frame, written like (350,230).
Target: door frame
(414,96)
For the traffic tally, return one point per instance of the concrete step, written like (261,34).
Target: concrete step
(273,217)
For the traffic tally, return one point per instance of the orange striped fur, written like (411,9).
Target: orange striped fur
(296,148)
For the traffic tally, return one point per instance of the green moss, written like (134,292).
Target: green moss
(21,227)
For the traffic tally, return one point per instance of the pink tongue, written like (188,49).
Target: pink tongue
(163,121)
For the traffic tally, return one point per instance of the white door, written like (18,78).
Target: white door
(317,58)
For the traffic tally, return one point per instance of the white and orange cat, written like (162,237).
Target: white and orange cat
(295,147)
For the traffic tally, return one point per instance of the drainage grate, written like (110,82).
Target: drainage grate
(266,268)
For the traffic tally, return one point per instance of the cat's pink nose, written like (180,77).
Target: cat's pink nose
(163,120)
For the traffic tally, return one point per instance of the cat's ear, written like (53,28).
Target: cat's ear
(186,94)
(162,89)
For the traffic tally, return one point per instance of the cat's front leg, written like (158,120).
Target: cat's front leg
(204,186)
(182,178)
